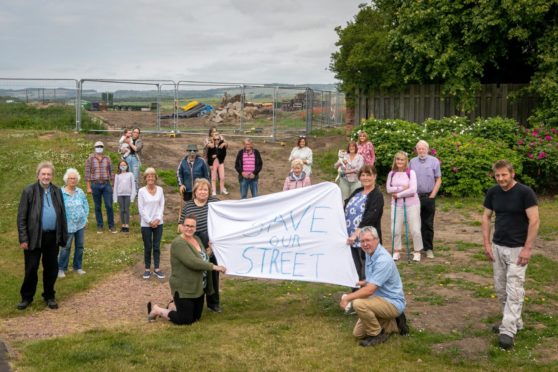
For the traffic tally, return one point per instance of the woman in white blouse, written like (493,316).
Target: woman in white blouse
(304,153)
(151,205)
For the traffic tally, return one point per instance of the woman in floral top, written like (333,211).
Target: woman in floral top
(77,211)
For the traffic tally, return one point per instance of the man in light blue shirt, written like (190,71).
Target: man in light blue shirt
(380,301)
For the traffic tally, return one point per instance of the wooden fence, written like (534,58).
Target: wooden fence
(420,102)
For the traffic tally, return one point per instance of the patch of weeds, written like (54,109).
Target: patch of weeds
(474,223)
(168,176)
(484,291)
(464,246)
(432,299)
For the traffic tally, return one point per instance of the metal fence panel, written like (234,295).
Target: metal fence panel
(41,93)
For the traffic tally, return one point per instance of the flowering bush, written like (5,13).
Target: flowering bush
(539,148)
(466,163)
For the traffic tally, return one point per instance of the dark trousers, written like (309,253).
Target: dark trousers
(187,195)
(188,310)
(427,211)
(49,254)
(358,259)
(151,242)
(213,299)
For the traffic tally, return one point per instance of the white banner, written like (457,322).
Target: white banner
(298,234)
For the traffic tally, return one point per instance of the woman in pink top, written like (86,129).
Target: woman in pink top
(297,178)
(401,183)
(366,148)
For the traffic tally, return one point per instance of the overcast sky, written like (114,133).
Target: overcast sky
(259,41)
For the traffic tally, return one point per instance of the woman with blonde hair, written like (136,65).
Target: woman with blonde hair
(151,206)
(366,148)
(401,183)
(199,208)
(297,178)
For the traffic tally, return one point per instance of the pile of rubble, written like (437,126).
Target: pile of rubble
(233,112)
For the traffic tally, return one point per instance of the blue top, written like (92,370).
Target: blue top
(427,170)
(380,270)
(48,217)
(353,214)
(77,209)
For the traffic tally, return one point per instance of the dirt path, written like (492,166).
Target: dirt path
(120,299)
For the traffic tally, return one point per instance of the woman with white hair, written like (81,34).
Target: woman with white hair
(77,211)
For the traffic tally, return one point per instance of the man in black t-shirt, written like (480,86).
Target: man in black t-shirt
(515,231)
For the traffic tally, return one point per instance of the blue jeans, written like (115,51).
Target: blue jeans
(134,167)
(151,241)
(64,255)
(246,183)
(103,191)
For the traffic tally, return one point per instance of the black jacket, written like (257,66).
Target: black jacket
(30,212)
(372,215)
(238,163)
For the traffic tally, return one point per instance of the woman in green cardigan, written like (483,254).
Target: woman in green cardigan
(189,279)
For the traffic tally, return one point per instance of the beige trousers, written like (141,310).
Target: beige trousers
(374,314)
(509,281)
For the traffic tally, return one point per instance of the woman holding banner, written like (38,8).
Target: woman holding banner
(190,277)
(198,207)
(364,207)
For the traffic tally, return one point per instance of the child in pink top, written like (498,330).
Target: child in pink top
(405,204)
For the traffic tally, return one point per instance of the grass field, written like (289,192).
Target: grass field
(268,325)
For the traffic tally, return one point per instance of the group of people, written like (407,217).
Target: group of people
(50,217)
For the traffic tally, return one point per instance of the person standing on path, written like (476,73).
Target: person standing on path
(191,168)
(98,179)
(77,213)
(248,164)
(515,231)
(41,226)
(429,180)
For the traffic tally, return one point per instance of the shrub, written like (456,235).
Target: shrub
(444,127)
(466,163)
(497,128)
(539,150)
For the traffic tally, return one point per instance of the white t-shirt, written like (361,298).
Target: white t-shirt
(151,207)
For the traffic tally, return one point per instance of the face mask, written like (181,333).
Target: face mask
(99,150)
(123,168)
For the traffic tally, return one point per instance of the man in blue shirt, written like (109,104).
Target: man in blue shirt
(41,225)
(380,301)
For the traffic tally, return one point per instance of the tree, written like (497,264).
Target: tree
(363,61)
(459,44)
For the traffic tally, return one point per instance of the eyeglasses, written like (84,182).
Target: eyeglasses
(401,159)
(190,226)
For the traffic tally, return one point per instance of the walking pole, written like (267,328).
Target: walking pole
(179,213)
(406,231)
(393,229)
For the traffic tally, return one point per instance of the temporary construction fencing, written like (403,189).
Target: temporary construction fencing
(160,106)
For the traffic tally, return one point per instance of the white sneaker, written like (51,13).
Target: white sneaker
(213,193)
(429,253)
(79,271)
(416,257)
(61,274)
(225,192)
(396,256)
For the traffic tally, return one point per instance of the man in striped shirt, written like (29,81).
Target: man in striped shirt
(248,164)
(98,179)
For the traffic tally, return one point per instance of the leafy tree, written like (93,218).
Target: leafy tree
(363,60)
(459,44)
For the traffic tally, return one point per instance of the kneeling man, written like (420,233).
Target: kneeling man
(380,301)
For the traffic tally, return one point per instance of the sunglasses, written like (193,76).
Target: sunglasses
(194,151)
(302,136)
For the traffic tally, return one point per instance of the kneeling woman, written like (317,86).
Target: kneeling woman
(189,279)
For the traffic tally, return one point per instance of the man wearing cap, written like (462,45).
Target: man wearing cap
(191,168)
(429,180)
(248,164)
(98,178)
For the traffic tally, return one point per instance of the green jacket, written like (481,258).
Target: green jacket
(187,270)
